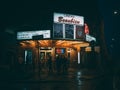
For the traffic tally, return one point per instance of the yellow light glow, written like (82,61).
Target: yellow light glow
(55,43)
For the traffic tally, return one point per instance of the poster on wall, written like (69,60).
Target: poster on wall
(60,50)
(69,31)
(28,57)
(58,30)
(80,32)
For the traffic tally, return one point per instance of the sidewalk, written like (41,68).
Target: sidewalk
(44,76)
(37,76)
(89,73)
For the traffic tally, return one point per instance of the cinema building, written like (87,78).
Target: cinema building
(69,37)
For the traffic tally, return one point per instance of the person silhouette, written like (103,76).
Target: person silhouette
(49,63)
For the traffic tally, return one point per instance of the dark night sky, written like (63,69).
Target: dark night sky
(41,12)
(22,12)
(111,25)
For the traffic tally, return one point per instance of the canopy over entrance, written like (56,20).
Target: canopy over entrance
(54,43)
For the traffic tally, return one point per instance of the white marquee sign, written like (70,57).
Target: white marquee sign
(68,19)
(29,34)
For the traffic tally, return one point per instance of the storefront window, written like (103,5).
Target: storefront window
(69,31)
(42,55)
(79,32)
(58,30)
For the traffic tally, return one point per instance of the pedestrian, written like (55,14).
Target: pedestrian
(65,66)
(20,63)
(33,64)
(58,64)
(39,64)
(49,64)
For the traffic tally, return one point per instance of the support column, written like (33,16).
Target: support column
(78,51)
(78,57)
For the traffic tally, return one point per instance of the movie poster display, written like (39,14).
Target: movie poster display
(69,31)
(80,32)
(58,30)
(28,57)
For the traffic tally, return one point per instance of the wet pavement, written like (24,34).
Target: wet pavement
(73,80)
(86,84)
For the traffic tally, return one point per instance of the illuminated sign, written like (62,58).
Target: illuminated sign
(29,34)
(90,38)
(68,19)
(67,26)
(60,50)
(86,29)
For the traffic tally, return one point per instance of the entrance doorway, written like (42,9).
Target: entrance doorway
(44,55)
(43,58)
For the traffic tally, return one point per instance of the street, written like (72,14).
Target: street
(71,81)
